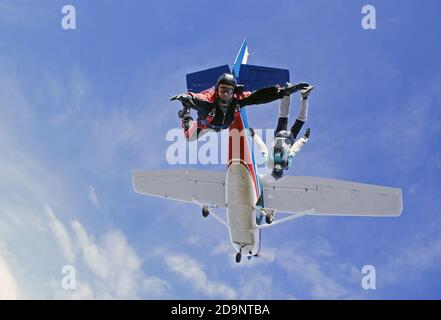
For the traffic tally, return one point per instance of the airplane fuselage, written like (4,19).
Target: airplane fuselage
(242,190)
(241,216)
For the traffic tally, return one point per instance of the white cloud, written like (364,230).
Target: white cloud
(256,287)
(192,272)
(420,253)
(92,196)
(108,128)
(154,287)
(223,247)
(8,286)
(109,268)
(83,291)
(93,255)
(301,267)
(117,267)
(61,235)
(267,254)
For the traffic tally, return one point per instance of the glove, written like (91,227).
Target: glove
(186,121)
(186,99)
(182,113)
(239,89)
(291,88)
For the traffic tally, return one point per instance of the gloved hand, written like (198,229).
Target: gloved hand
(186,119)
(291,88)
(182,113)
(185,98)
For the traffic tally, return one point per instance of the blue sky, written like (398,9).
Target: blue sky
(80,109)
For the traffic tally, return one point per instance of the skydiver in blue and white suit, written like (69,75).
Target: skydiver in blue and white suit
(285,145)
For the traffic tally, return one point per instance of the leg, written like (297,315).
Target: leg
(300,121)
(283,114)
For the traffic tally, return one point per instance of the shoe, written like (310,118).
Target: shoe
(307,133)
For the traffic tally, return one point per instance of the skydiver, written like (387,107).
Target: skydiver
(218,106)
(285,145)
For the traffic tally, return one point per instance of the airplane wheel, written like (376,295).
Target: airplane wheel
(269,219)
(205,211)
(238,257)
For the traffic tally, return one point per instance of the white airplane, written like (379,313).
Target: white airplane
(249,197)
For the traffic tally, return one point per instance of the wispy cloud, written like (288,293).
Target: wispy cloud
(419,254)
(8,286)
(155,287)
(93,255)
(61,235)
(109,130)
(109,268)
(304,266)
(192,272)
(92,196)
(256,287)
(117,267)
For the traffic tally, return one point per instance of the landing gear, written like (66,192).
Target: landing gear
(205,211)
(269,216)
(269,219)
(268,213)
(239,254)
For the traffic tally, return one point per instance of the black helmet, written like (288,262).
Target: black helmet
(226,78)
(277,172)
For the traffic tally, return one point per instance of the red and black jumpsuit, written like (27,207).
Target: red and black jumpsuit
(211,115)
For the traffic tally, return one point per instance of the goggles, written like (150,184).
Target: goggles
(226,90)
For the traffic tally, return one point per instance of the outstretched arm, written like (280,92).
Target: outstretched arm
(196,101)
(264,95)
(260,144)
(298,145)
(270,94)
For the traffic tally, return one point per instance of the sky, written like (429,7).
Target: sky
(81,108)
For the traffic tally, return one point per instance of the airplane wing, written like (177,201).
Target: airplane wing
(330,197)
(195,186)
